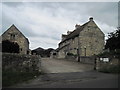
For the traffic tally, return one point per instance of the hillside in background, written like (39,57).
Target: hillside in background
(42,52)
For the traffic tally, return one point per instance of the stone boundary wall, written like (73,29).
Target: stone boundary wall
(83,59)
(112,62)
(87,60)
(19,62)
(71,58)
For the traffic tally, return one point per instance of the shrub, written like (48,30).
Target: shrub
(111,53)
(10,47)
(70,54)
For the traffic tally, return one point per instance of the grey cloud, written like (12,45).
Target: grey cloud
(7,22)
(106,12)
(59,15)
(13,4)
(119,14)
(99,10)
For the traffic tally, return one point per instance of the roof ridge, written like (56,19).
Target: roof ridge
(75,32)
(16,29)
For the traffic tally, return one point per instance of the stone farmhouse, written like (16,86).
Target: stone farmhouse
(14,35)
(85,40)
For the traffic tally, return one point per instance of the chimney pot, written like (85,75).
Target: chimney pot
(77,26)
(91,18)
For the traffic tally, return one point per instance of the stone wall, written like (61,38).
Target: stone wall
(91,40)
(86,40)
(102,64)
(87,60)
(22,63)
(83,59)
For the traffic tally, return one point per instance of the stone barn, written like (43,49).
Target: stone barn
(85,40)
(14,35)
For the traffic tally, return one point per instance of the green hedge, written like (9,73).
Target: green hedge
(71,54)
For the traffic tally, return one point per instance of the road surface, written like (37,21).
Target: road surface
(70,74)
(62,66)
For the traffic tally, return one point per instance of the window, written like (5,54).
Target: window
(96,41)
(54,53)
(88,27)
(27,52)
(12,36)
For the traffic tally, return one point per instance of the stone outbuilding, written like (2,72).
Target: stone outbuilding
(85,40)
(14,35)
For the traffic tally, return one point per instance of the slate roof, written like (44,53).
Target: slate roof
(64,35)
(75,33)
(62,47)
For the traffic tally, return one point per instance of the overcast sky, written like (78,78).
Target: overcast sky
(44,23)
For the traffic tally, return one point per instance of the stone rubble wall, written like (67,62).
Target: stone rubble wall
(22,63)
(112,62)
(87,59)
(83,59)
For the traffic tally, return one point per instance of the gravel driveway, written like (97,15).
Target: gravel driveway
(61,66)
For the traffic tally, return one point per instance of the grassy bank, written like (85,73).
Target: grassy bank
(11,78)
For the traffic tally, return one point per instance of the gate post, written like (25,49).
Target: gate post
(95,62)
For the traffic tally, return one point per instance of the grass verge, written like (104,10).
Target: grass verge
(110,69)
(11,78)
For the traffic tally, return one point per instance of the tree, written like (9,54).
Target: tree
(42,52)
(113,41)
(10,47)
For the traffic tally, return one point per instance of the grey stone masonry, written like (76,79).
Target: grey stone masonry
(14,35)
(85,40)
